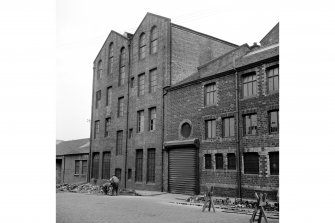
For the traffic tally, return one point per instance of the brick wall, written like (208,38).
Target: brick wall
(68,166)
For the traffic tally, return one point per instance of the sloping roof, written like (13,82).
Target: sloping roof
(78,146)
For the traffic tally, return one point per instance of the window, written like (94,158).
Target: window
(249,85)
(274,163)
(95,166)
(231,161)
(106,159)
(120,107)
(251,163)
(122,66)
(250,124)
(153,81)
(130,133)
(99,71)
(119,136)
(84,167)
(186,130)
(110,58)
(208,161)
(273,79)
(132,82)
(142,46)
(108,123)
(152,119)
(76,166)
(151,166)
(129,174)
(153,40)
(96,128)
(140,84)
(210,94)
(210,129)
(122,76)
(118,173)
(140,121)
(274,121)
(109,96)
(228,127)
(139,165)
(218,161)
(97,99)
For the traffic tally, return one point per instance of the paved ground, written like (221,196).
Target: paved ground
(81,208)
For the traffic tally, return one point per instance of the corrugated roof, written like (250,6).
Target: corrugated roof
(78,146)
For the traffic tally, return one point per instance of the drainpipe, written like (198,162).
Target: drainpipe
(237,105)
(91,124)
(127,120)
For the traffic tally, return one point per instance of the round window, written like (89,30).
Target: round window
(186,130)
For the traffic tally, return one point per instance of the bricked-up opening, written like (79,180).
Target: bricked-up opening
(153,40)
(96,128)
(142,46)
(97,99)
(106,165)
(186,130)
(208,161)
(210,94)
(218,161)
(274,163)
(251,163)
(151,165)
(250,124)
(95,166)
(118,173)
(139,165)
(231,161)
(76,166)
(249,85)
(228,127)
(210,129)
(119,138)
(110,58)
(109,96)
(273,79)
(130,173)
(273,122)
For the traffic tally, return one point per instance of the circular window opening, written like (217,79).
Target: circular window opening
(186,130)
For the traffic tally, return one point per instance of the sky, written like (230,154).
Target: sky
(83,26)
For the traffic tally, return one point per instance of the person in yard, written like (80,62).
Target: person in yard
(115,184)
(105,187)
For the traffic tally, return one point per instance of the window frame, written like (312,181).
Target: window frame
(120,107)
(247,80)
(108,123)
(231,127)
(142,46)
(76,167)
(269,121)
(247,164)
(245,133)
(95,165)
(152,120)
(154,40)
(96,128)
(122,70)
(97,99)
(153,81)
(212,127)
(139,165)
(110,58)
(106,165)
(109,96)
(140,121)
(272,78)
(272,159)
(99,70)
(231,157)
(141,84)
(210,94)
(119,142)
(217,161)
(151,162)
(208,161)
(84,167)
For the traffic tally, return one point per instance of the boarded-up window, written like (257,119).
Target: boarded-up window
(142,46)
(109,96)
(152,80)
(96,128)
(218,161)
(106,159)
(152,119)
(228,127)
(97,99)
(274,121)
(108,123)
(140,121)
(250,124)
(249,85)
(210,94)
(208,161)
(231,161)
(210,129)
(140,84)
(119,138)
(139,165)
(84,167)
(153,40)
(95,166)
(273,79)
(274,163)
(118,173)
(251,163)
(76,166)
(151,165)
(120,107)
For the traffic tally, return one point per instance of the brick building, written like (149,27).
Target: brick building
(131,72)
(221,124)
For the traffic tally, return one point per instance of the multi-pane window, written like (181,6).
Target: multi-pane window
(95,166)
(274,163)
(139,165)
(109,96)
(140,121)
(153,40)
(108,122)
(119,138)
(97,99)
(120,107)
(142,46)
(273,79)
(122,75)
(129,174)
(118,173)
(132,82)
(249,85)
(99,71)
(208,161)
(96,128)
(152,119)
(210,94)
(140,84)
(106,164)
(231,161)
(153,80)
(228,127)
(210,129)
(110,58)
(219,161)
(250,124)
(274,121)
(151,165)
(76,166)
(130,133)
(84,167)
(251,163)
(122,66)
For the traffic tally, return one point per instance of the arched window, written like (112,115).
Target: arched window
(110,58)
(142,46)
(99,71)
(122,66)
(153,40)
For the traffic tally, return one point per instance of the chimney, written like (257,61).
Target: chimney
(128,35)
(254,46)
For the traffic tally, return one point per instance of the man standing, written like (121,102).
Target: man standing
(115,184)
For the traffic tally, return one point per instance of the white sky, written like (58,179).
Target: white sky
(83,26)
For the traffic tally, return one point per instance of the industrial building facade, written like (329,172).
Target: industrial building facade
(140,107)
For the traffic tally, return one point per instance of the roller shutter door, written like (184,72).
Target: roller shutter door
(183,176)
